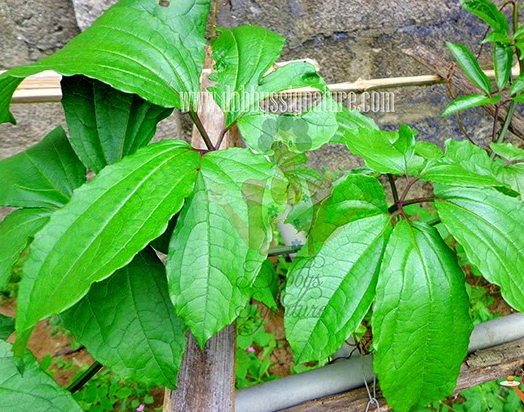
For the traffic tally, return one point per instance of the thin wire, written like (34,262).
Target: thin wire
(372,398)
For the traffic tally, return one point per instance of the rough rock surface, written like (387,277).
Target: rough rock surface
(88,11)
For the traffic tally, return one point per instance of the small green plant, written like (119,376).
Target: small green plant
(253,367)
(91,247)
(487,397)
(105,392)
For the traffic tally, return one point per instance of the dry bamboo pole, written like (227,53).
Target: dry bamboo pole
(45,87)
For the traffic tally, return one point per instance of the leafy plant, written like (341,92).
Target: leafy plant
(105,391)
(91,255)
(252,367)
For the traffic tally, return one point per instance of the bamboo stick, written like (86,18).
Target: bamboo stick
(45,87)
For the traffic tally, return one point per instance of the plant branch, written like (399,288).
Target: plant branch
(223,135)
(85,377)
(394,190)
(202,130)
(507,122)
(409,185)
(401,203)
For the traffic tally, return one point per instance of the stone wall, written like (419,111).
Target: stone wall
(350,39)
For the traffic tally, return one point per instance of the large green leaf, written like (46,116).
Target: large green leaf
(104,225)
(455,174)
(33,391)
(302,132)
(331,283)
(385,152)
(243,56)
(488,225)
(221,239)
(127,322)
(44,175)
(265,288)
(464,164)
(510,174)
(508,151)
(351,121)
(488,12)
(151,48)
(106,124)
(421,323)
(16,230)
(470,66)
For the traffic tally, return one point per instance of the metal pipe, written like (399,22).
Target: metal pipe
(349,374)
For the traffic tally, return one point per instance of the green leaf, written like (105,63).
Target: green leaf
(488,225)
(520,45)
(497,37)
(428,150)
(470,66)
(421,323)
(519,33)
(324,306)
(221,239)
(127,322)
(508,151)
(137,46)
(301,133)
(512,176)
(34,390)
(469,101)
(463,165)
(104,225)
(161,243)
(243,55)
(7,327)
(105,124)
(265,288)
(488,12)
(502,62)
(454,174)
(384,152)
(44,175)
(350,121)
(16,232)
(518,85)
(518,99)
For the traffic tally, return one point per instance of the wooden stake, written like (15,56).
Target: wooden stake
(206,380)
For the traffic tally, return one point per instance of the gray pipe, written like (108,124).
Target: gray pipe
(349,374)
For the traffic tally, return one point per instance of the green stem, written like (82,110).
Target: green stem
(202,130)
(85,377)
(507,123)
